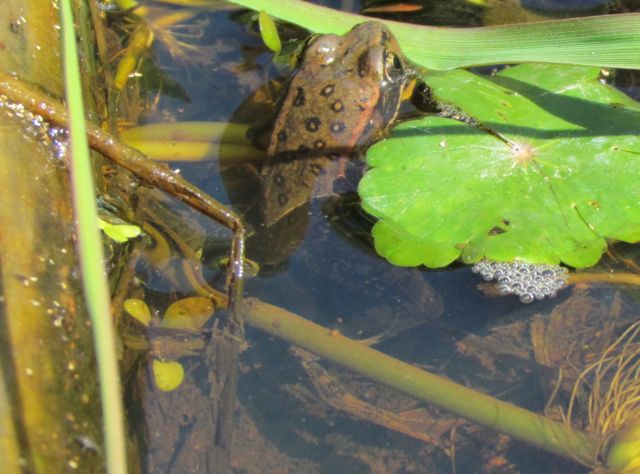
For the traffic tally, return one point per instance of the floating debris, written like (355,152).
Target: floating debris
(529,281)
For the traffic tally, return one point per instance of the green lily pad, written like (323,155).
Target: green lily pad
(550,174)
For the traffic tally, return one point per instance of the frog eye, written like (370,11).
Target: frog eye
(393,66)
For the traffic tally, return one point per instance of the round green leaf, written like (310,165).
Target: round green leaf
(548,177)
(188,313)
(168,375)
(138,309)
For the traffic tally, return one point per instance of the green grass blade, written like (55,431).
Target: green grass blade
(605,41)
(91,257)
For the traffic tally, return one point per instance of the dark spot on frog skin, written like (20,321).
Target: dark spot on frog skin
(312,124)
(327,90)
(337,106)
(319,144)
(303,149)
(282,135)
(337,127)
(286,156)
(315,169)
(363,65)
(299,100)
(278,179)
(282,199)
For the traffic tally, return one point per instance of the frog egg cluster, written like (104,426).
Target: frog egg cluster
(529,281)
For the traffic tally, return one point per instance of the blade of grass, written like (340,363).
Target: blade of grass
(605,41)
(91,257)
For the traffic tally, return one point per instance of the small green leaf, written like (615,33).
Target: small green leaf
(550,175)
(188,313)
(269,32)
(119,233)
(168,375)
(138,309)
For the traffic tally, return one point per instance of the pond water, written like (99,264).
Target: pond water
(446,321)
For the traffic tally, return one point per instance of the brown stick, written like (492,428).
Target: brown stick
(155,174)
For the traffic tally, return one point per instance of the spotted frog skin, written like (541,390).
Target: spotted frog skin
(346,91)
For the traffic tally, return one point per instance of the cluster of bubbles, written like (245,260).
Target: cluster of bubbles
(529,281)
(35,127)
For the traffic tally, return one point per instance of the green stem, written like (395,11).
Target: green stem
(604,41)
(189,131)
(94,282)
(498,415)
(192,151)
(193,141)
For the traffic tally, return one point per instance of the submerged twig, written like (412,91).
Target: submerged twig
(620,278)
(225,359)
(154,174)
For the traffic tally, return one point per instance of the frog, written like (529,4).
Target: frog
(345,93)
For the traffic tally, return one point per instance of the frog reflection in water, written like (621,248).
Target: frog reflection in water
(345,93)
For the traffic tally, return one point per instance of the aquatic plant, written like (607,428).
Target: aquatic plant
(536,163)
(613,407)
